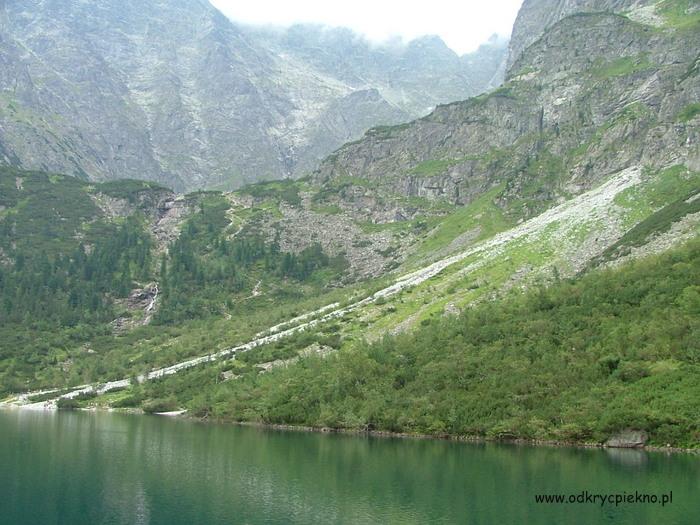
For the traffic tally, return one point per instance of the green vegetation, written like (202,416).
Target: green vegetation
(658,222)
(385,132)
(661,189)
(483,217)
(526,71)
(536,186)
(680,14)
(159,405)
(337,185)
(689,112)
(568,362)
(68,404)
(66,271)
(635,113)
(128,189)
(430,168)
(52,394)
(72,293)
(205,270)
(621,66)
(504,91)
(577,361)
(281,191)
(42,214)
(329,209)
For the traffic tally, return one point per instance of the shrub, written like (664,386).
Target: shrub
(65,403)
(630,372)
(159,405)
(127,402)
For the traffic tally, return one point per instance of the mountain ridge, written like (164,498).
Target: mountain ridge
(245,103)
(550,131)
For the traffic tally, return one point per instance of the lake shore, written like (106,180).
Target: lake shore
(182,414)
(450,437)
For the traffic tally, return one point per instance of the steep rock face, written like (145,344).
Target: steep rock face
(174,92)
(343,119)
(100,88)
(596,94)
(414,77)
(535,16)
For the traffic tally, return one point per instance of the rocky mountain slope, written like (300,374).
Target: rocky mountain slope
(535,17)
(176,93)
(598,93)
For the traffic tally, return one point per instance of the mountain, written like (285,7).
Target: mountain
(415,76)
(535,17)
(598,93)
(176,93)
(520,264)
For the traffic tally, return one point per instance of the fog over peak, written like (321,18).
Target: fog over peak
(463,26)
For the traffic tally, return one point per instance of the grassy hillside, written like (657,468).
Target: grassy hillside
(565,359)
(576,361)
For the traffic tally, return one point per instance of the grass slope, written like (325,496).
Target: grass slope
(577,361)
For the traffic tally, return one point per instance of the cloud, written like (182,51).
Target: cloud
(463,25)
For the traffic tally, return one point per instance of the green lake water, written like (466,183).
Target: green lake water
(100,468)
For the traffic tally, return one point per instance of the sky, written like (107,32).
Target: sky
(462,24)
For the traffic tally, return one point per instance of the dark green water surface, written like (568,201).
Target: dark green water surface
(98,468)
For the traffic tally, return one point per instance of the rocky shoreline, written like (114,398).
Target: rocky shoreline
(452,437)
(182,414)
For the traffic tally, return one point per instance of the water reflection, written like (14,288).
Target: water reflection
(628,457)
(82,468)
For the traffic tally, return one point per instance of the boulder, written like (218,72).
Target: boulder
(627,439)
